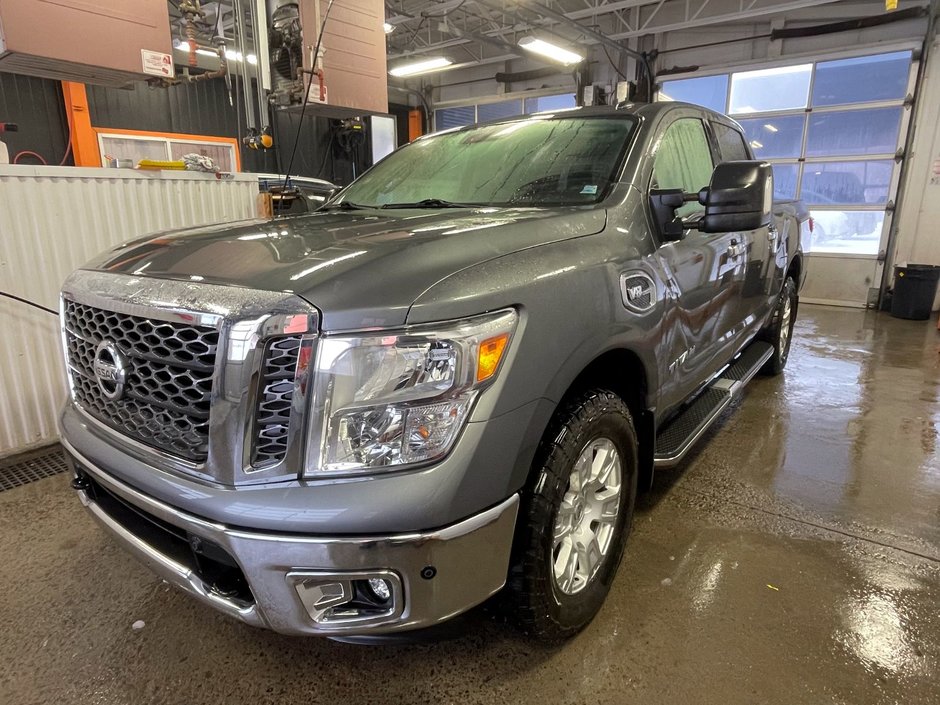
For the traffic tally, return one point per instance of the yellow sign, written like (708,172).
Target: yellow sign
(891,5)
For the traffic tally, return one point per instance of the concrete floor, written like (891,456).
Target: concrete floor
(794,559)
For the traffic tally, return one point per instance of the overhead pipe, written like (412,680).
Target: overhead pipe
(545,11)
(191,10)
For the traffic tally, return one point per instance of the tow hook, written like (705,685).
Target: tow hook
(80,483)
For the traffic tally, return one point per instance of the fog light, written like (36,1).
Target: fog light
(380,588)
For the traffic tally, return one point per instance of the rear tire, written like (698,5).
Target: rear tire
(575,517)
(780,331)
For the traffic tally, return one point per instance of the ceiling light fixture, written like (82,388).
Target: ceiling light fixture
(550,51)
(770,127)
(422,66)
(389,28)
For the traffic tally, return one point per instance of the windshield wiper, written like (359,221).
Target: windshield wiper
(431,203)
(343,206)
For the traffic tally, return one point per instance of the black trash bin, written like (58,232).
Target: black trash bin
(915,287)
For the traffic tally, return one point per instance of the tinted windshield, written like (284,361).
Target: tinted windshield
(536,162)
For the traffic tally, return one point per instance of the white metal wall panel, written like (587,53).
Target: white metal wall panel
(54,219)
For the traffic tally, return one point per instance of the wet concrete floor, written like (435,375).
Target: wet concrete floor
(794,559)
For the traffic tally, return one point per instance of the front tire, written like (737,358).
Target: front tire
(780,332)
(575,517)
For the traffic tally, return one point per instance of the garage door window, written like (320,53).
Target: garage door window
(780,136)
(708,91)
(767,90)
(461,115)
(862,79)
(831,129)
(853,132)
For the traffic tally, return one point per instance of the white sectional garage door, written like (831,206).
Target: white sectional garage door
(834,130)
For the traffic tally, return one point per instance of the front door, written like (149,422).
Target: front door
(704,273)
(763,274)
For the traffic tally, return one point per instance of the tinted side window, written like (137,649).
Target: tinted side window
(683,160)
(731,143)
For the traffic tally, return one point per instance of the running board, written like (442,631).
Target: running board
(677,437)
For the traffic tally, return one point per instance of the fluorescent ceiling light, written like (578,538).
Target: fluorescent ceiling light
(389,28)
(422,66)
(550,51)
(755,144)
(770,127)
(233,55)
(184,46)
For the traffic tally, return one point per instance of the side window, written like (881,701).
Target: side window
(683,160)
(730,142)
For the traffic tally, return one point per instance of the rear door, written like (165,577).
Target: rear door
(760,285)
(704,272)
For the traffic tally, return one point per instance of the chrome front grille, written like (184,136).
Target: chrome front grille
(169,377)
(196,379)
(275,400)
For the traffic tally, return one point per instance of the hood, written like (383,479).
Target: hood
(361,269)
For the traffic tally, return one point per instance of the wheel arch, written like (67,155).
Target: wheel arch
(624,372)
(795,268)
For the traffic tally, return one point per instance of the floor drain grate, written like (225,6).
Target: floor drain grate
(29,467)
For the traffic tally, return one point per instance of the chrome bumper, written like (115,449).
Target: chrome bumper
(433,576)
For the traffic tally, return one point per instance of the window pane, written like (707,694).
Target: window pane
(879,77)
(550,102)
(136,149)
(221,154)
(683,160)
(854,132)
(785,180)
(730,142)
(707,91)
(498,111)
(846,183)
(775,137)
(847,231)
(782,88)
(446,118)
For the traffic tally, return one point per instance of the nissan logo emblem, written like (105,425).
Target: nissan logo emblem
(110,370)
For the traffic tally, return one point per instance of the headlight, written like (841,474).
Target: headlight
(386,400)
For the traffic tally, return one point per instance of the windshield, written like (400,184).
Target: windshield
(535,162)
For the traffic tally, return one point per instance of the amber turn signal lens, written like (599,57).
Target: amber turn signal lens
(491,352)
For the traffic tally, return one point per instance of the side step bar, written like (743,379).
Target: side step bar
(676,438)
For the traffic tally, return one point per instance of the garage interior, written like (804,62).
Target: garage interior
(793,556)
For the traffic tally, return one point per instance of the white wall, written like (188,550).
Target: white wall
(53,220)
(918,220)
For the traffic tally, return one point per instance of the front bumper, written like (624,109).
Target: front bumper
(284,582)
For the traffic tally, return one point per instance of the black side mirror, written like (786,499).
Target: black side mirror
(739,197)
(664,203)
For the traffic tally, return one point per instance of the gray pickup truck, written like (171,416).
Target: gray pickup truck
(449,382)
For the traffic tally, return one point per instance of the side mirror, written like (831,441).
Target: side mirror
(664,203)
(739,197)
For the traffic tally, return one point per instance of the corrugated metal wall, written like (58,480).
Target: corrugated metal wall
(52,220)
(203,109)
(36,105)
